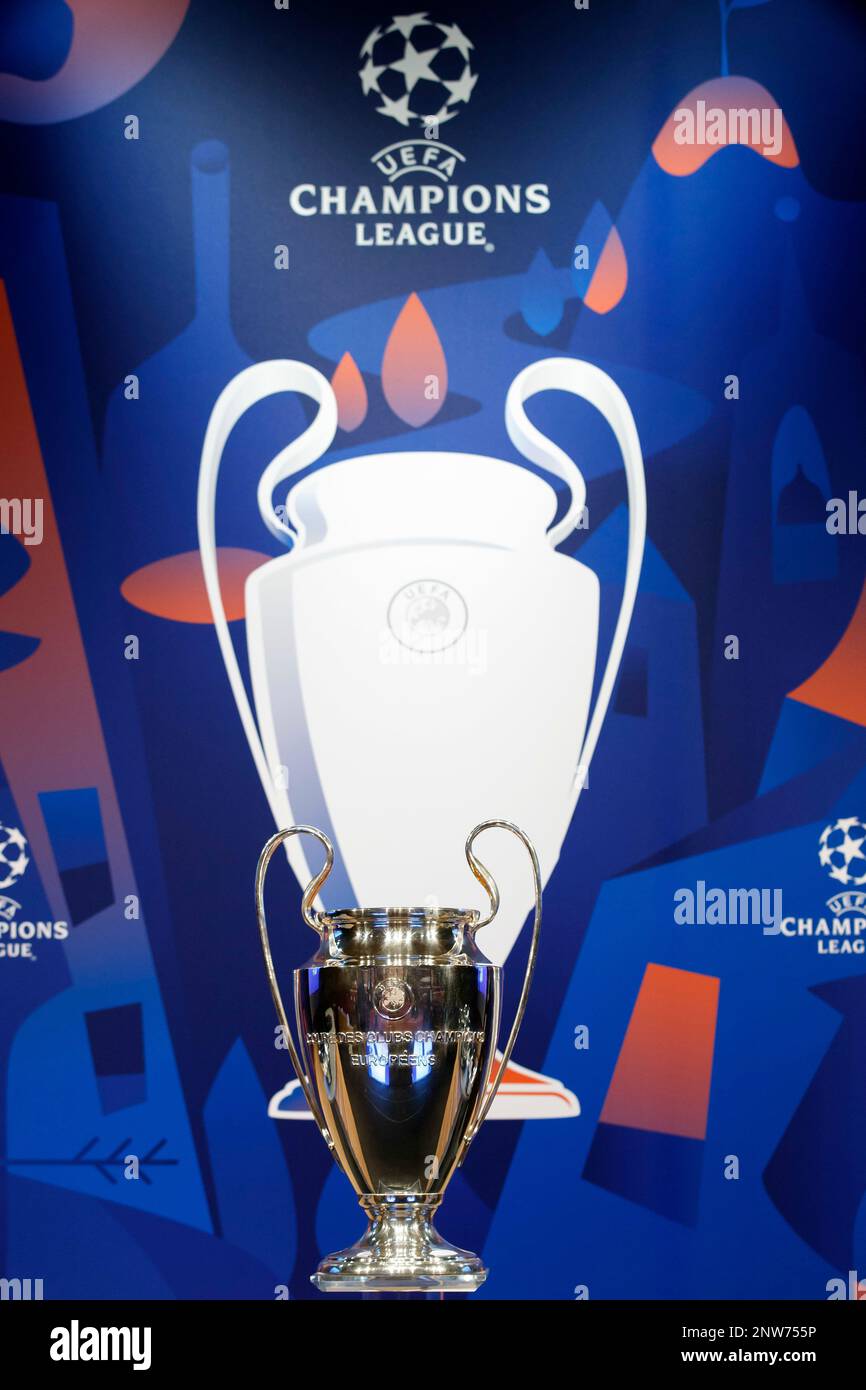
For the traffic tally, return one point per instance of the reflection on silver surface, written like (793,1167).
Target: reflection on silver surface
(398,1014)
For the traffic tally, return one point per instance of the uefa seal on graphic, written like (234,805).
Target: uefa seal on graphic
(427,616)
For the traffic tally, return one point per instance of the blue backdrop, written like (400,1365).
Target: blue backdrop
(149,154)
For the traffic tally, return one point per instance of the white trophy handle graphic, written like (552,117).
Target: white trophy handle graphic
(595,386)
(246,389)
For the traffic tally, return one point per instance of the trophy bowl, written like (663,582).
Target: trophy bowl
(398,1013)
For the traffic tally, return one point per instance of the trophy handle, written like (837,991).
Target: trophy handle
(486,879)
(307,901)
(595,386)
(243,391)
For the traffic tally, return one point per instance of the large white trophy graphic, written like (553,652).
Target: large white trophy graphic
(423,658)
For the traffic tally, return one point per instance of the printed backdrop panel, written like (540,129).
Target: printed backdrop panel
(403,588)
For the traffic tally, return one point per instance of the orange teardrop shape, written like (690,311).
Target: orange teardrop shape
(414,370)
(351,393)
(607,286)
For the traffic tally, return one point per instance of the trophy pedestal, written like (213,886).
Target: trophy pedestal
(400,1252)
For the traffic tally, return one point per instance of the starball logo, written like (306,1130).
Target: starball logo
(841,930)
(420,74)
(17,937)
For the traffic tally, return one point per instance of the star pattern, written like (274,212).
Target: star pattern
(398,109)
(440,117)
(405,23)
(462,90)
(369,76)
(413,66)
(370,42)
(455,38)
(17,863)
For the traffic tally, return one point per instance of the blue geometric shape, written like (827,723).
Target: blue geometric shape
(15,648)
(36,38)
(87,890)
(803,549)
(543,300)
(604,551)
(120,1092)
(658,1171)
(97,1258)
(817,1175)
(804,738)
(55,1115)
(258,1215)
(14,561)
(116,1040)
(632,688)
(74,823)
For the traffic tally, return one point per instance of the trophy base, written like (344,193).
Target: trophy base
(400,1252)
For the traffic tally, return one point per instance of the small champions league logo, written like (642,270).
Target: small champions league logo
(17,937)
(427,615)
(842,852)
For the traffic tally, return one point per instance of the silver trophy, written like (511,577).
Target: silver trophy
(398,1013)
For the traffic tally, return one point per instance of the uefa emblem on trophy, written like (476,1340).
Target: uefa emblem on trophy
(398,1013)
(423,630)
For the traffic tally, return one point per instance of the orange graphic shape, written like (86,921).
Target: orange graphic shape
(607,286)
(351,393)
(47,701)
(726,94)
(174,588)
(114,45)
(662,1076)
(414,370)
(839,685)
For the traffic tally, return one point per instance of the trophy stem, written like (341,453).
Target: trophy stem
(400,1252)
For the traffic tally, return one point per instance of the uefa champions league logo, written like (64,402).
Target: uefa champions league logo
(419,74)
(18,939)
(417,70)
(13,855)
(841,851)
